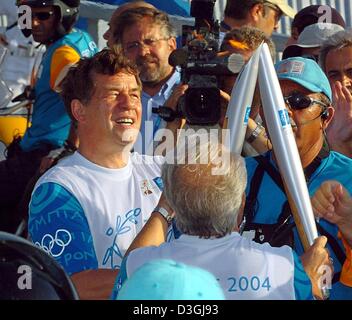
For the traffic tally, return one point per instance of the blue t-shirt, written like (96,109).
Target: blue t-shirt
(334,167)
(59,226)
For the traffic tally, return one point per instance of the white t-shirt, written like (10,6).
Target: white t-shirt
(244,269)
(116,202)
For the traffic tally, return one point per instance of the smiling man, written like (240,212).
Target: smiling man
(308,96)
(86,210)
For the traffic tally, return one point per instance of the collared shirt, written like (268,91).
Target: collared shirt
(144,143)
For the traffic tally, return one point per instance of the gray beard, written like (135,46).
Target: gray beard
(150,77)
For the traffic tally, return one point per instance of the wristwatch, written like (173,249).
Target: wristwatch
(166,215)
(255,133)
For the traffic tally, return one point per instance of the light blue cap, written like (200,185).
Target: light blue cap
(305,72)
(170,280)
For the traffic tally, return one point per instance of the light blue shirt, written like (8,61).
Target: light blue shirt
(151,122)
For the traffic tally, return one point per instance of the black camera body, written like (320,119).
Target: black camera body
(200,68)
(201,103)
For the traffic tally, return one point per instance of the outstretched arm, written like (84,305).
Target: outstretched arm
(154,231)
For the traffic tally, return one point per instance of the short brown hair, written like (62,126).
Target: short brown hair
(79,81)
(132,16)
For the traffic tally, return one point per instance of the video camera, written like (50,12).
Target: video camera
(200,68)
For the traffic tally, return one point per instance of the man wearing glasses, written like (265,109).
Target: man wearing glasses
(308,97)
(261,14)
(51,25)
(147,38)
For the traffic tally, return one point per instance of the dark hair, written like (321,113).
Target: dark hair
(132,16)
(79,81)
(238,9)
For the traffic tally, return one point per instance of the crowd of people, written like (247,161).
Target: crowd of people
(92,186)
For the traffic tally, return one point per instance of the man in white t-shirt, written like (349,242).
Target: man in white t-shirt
(86,210)
(208,206)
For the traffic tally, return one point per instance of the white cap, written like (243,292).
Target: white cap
(312,36)
(284,7)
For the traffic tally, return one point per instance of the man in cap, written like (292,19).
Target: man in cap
(313,14)
(308,96)
(310,40)
(262,14)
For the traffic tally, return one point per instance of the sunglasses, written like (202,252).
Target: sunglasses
(41,16)
(299,101)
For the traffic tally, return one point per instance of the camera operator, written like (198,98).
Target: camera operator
(147,38)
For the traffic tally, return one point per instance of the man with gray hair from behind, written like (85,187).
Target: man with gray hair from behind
(208,209)
(336,61)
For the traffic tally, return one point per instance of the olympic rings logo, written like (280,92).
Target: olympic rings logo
(56,245)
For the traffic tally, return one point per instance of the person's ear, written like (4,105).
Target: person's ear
(256,12)
(78,110)
(172,43)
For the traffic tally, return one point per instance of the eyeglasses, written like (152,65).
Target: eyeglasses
(149,43)
(41,16)
(299,101)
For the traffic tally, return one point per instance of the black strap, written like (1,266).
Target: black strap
(276,177)
(251,200)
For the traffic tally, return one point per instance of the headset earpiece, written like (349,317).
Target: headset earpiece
(325,115)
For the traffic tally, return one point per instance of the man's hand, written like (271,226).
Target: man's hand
(315,261)
(339,131)
(177,92)
(333,203)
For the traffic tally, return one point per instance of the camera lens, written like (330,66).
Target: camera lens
(202,105)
